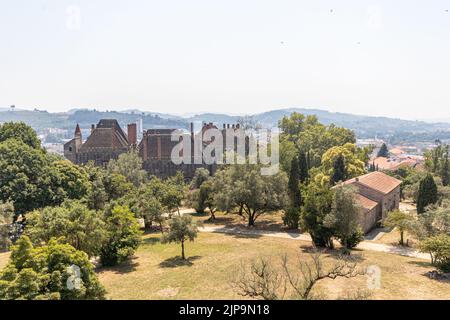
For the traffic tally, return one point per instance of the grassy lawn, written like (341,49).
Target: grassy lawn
(393,238)
(157,273)
(272,221)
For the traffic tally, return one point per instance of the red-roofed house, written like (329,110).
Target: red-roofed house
(378,194)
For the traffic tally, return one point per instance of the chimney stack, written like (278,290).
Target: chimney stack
(92,127)
(132,134)
(228,126)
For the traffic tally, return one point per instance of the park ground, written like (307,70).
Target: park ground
(157,272)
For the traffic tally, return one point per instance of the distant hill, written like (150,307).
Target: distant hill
(364,126)
(395,130)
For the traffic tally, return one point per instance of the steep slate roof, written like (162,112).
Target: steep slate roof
(107,134)
(378,181)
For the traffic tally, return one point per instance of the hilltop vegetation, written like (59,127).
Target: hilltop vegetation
(86,213)
(392,130)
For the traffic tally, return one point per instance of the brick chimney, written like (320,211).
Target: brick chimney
(132,134)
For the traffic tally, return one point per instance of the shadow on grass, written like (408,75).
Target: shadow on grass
(178,262)
(434,274)
(423,264)
(199,214)
(246,236)
(151,241)
(124,268)
(336,253)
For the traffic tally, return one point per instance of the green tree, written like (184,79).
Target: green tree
(73,179)
(116,186)
(383,152)
(293,184)
(148,207)
(303,168)
(96,197)
(197,201)
(342,162)
(255,193)
(201,175)
(428,193)
(27,178)
(445,175)
(21,132)
(74,222)
(181,229)
(6,219)
(318,204)
(130,166)
(439,249)
(344,217)
(435,221)
(203,198)
(306,134)
(291,217)
(123,237)
(53,271)
(175,192)
(339,170)
(402,221)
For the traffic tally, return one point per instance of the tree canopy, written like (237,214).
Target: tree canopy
(75,223)
(383,152)
(181,229)
(50,272)
(21,132)
(129,165)
(255,193)
(428,193)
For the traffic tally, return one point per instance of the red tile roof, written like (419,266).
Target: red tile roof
(378,181)
(366,203)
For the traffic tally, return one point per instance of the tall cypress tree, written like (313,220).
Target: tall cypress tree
(303,167)
(428,193)
(383,152)
(444,171)
(339,170)
(294,179)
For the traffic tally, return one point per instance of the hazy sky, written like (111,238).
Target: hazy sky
(387,58)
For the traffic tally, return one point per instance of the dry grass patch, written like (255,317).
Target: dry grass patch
(272,221)
(393,238)
(158,273)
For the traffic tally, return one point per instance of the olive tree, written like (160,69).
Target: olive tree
(181,229)
(256,194)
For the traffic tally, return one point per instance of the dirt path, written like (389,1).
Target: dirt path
(364,245)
